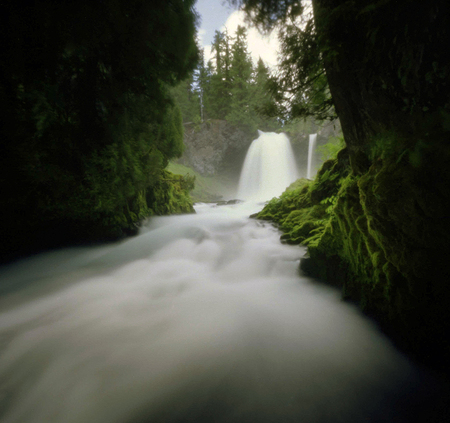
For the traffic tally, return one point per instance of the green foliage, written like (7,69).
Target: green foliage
(295,213)
(170,195)
(89,122)
(220,81)
(170,136)
(331,149)
(227,87)
(330,203)
(187,99)
(241,91)
(300,88)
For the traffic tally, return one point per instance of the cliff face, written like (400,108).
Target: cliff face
(214,146)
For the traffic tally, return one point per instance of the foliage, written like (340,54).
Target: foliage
(228,87)
(187,99)
(88,122)
(331,149)
(300,88)
(367,234)
(241,91)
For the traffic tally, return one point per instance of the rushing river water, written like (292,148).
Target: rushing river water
(200,318)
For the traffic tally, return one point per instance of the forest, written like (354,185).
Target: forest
(95,97)
(228,87)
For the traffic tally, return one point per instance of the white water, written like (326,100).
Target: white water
(200,318)
(312,142)
(269,168)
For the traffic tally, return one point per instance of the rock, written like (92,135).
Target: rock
(229,202)
(214,145)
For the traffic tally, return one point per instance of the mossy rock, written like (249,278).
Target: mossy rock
(383,237)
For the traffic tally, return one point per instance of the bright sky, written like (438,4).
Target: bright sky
(218,15)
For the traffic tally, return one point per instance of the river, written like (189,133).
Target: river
(199,318)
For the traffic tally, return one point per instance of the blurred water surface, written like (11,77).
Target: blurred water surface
(200,318)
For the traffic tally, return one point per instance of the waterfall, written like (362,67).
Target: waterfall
(269,167)
(312,142)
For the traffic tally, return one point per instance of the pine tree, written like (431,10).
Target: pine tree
(261,98)
(187,97)
(220,79)
(241,70)
(203,86)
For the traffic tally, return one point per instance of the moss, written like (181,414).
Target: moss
(383,237)
(170,195)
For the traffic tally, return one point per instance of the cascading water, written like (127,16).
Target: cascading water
(200,318)
(312,142)
(269,168)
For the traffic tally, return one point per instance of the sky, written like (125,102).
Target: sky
(218,15)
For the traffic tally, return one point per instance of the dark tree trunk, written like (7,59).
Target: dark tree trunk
(385,66)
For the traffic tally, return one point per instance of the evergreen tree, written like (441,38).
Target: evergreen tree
(206,86)
(203,78)
(261,98)
(241,82)
(232,89)
(220,79)
(187,97)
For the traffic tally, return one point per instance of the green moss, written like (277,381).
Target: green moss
(171,195)
(294,212)
(382,236)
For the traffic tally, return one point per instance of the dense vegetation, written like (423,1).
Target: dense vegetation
(88,123)
(376,218)
(229,87)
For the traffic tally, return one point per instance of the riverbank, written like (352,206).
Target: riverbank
(383,238)
(95,222)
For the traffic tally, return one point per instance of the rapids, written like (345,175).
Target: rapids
(199,318)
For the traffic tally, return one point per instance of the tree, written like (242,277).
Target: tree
(241,82)
(230,89)
(188,98)
(261,100)
(220,79)
(385,68)
(84,92)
